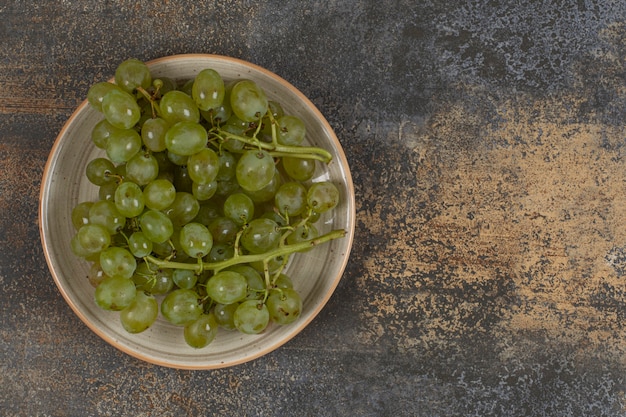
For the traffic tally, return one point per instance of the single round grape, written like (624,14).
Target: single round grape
(290,130)
(96,93)
(106,214)
(201,332)
(106,192)
(181,307)
(299,169)
(248,101)
(99,171)
(219,114)
(204,192)
(115,293)
(96,274)
(184,208)
(101,132)
(155,282)
(184,278)
(225,315)
(122,145)
(239,208)
(156,226)
(94,238)
(140,314)
(251,317)
(256,284)
(283,281)
(139,245)
(120,109)
(323,196)
(78,250)
(268,192)
(195,239)
(129,199)
(303,233)
(227,287)
(284,306)
(255,170)
(159,194)
(186,138)
(203,166)
(228,164)
(142,168)
(208,89)
(132,74)
(223,230)
(177,106)
(80,214)
(261,235)
(220,252)
(153,134)
(118,262)
(290,199)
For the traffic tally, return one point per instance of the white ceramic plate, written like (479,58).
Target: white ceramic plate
(315,273)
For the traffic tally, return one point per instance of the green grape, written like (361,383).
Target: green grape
(290,130)
(106,192)
(226,188)
(166,84)
(256,284)
(283,281)
(179,254)
(156,226)
(99,171)
(80,214)
(96,93)
(284,305)
(248,101)
(251,317)
(118,262)
(155,282)
(140,314)
(139,245)
(220,252)
(184,278)
(290,199)
(122,145)
(204,192)
(223,230)
(228,164)
(153,134)
(184,208)
(78,250)
(195,239)
(274,265)
(302,233)
(255,170)
(201,332)
(142,168)
(227,287)
(208,211)
(187,87)
(94,238)
(186,138)
(129,199)
(203,166)
(181,307)
(208,89)
(239,208)
(166,167)
(115,293)
(132,74)
(177,106)
(299,169)
(106,214)
(101,132)
(323,196)
(96,274)
(277,111)
(177,160)
(225,314)
(159,194)
(261,235)
(120,109)
(266,193)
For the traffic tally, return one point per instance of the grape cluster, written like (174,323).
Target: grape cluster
(204,194)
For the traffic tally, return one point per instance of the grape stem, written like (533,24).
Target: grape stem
(281,250)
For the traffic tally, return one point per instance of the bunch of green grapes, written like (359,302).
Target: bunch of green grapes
(204,194)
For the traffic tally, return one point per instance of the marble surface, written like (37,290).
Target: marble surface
(487,144)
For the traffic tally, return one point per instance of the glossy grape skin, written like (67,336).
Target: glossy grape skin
(290,130)
(120,109)
(181,307)
(291,198)
(248,101)
(96,93)
(140,314)
(122,145)
(208,89)
(196,240)
(94,238)
(129,199)
(299,169)
(227,287)
(186,138)
(251,317)
(101,132)
(239,208)
(201,332)
(159,281)
(261,235)
(223,230)
(153,134)
(156,226)
(159,194)
(139,245)
(117,261)
(203,166)
(284,306)
(115,293)
(224,314)
(80,214)
(106,214)
(183,209)
(177,106)
(99,171)
(184,278)
(131,74)
(142,168)
(323,196)
(255,170)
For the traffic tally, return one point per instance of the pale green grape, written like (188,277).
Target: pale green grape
(251,317)
(227,287)
(323,196)
(195,239)
(284,305)
(177,106)
(184,278)
(290,130)
(96,93)
(299,169)
(153,134)
(99,171)
(184,208)
(159,194)
(224,314)
(120,109)
(203,166)
(106,214)
(131,74)
(156,226)
(201,332)
(255,170)
(223,230)
(204,192)
(140,314)
(115,293)
(208,89)
(248,101)
(129,199)
(122,145)
(80,214)
(181,307)
(139,245)
(291,198)
(118,262)
(261,235)
(186,138)
(302,233)
(239,208)
(142,168)
(94,238)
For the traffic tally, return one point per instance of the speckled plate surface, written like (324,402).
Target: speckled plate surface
(315,273)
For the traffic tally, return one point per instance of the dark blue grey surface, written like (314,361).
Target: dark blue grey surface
(486,140)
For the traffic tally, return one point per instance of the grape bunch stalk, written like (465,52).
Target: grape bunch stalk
(204,194)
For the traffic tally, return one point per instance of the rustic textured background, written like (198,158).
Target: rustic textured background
(488,146)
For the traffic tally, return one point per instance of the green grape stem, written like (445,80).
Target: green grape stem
(281,250)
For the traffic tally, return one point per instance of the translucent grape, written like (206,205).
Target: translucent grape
(118,262)
(195,239)
(159,194)
(181,307)
(80,214)
(291,198)
(224,314)
(142,168)
(153,134)
(132,74)
(139,245)
(122,145)
(96,93)
(284,306)
(115,293)
(184,278)
(140,314)
(227,287)
(261,235)
(223,230)
(94,238)
(120,109)
(290,130)
(129,199)
(299,169)
(203,192)
(208,89)
(184,208)
(248,101)
(239,208)
(323,196)
(106,214)
(251,317)
(186,138)
(101,132)
(255,170)
(203,166)
(99,171)
(156,226)
(177,106)
(201,331)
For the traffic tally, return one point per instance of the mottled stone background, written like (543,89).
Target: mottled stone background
(487,145)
